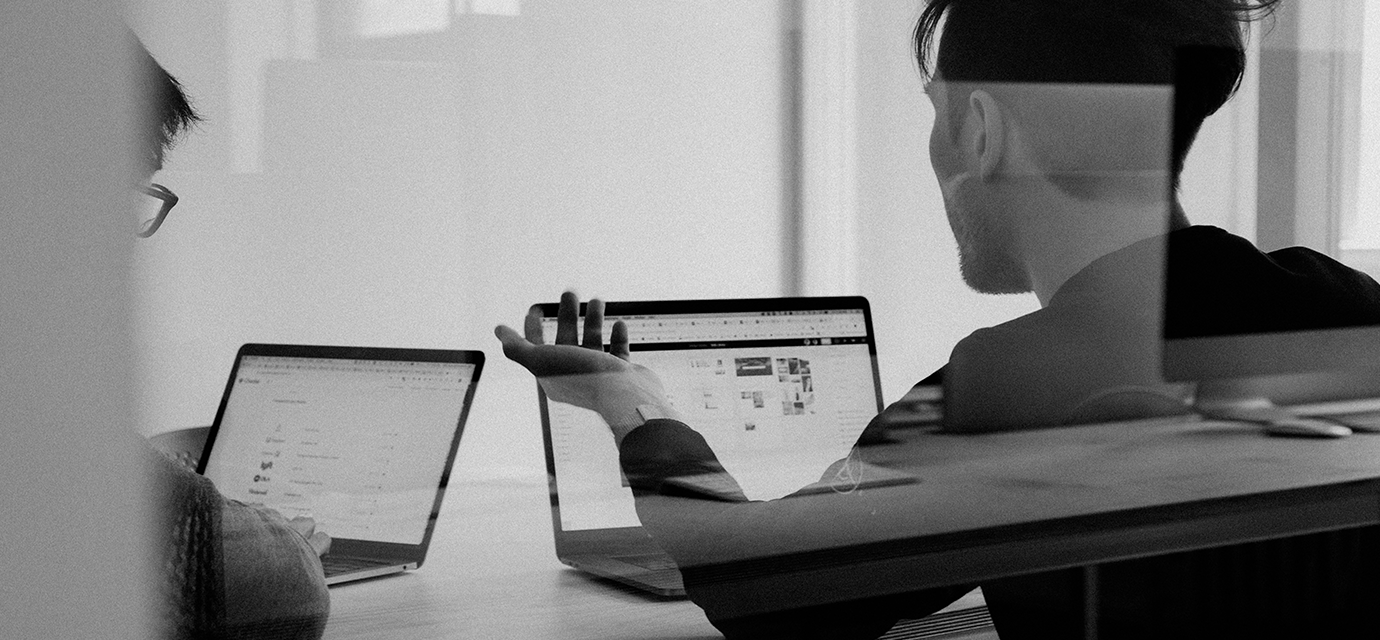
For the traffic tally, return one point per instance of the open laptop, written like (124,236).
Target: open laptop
(360,439)
(780,388)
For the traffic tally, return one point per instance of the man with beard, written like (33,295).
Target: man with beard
(1061,128)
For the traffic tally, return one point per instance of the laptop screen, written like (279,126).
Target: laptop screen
(778,394)
(359,445)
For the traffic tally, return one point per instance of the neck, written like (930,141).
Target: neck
(1070,235)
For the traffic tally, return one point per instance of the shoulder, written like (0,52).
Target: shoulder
(1219,283)
(258,571)
(187,513)
(187,503)
(1326,272)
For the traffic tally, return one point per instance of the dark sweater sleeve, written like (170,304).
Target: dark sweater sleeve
(188,537)
(231,570)
(667,457)
(275,588)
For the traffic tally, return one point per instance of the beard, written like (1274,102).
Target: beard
(986,250)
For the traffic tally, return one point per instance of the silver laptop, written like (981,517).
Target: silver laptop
(360,439)
(780,388)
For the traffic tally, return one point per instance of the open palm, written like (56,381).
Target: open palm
(584,374)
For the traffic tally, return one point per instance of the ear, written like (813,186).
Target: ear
(989,141)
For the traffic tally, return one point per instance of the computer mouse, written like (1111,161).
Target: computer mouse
(1306,428)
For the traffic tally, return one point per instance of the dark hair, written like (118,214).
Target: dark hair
(1196,45)
(168,111)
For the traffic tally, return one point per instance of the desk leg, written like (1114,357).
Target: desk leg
(1090,603)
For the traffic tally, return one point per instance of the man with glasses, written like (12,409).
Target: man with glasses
(154,208)
(230,570)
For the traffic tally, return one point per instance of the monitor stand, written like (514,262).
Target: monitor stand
(1253,400)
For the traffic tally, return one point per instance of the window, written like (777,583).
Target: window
(1319,131)
(1360,241)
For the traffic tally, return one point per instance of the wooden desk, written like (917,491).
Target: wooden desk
(492,572)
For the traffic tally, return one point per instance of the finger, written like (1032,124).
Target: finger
(303,525)
(618,342)
(568,319)
(515,347)
(594,324)
(320,542)
(531,325)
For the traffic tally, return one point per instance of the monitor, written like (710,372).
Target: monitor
(1321,348)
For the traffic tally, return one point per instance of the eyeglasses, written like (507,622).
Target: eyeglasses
(154,206)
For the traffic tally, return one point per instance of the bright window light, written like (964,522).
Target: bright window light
(384,18)
(1364,230)
(492,7)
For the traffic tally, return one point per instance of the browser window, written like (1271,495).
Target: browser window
(779,395)
(351,443)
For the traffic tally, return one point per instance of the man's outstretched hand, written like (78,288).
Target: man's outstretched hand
(580,372)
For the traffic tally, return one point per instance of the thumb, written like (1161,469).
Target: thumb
(515,347)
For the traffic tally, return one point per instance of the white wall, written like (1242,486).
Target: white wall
(1218,185)
(72,512)
(419,189)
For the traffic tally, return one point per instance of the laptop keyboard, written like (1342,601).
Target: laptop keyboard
(649,561)
(336,566)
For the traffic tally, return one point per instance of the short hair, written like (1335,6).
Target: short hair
(167,110)
(1196,45)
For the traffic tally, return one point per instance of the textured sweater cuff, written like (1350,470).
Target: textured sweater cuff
(667,457)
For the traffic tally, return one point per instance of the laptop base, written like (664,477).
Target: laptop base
(353,574)
(660,580)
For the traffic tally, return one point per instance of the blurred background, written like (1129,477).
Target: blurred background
(413,172)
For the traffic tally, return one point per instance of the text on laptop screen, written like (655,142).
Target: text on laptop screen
(779,395)
(358,445)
